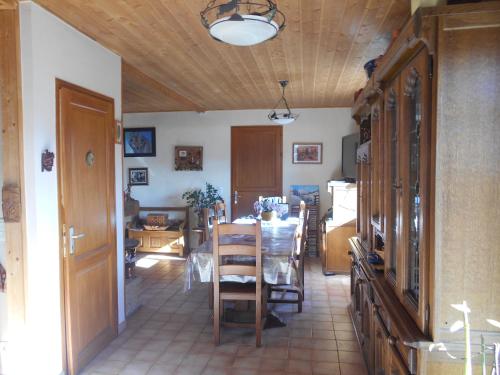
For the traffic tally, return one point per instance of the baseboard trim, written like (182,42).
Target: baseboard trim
(122,326)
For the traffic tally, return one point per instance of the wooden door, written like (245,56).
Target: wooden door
(256,166)
(87,215)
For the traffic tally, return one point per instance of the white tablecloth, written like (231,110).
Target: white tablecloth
(278,249)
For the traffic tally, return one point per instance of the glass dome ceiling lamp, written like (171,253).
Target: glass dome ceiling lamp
(242,22)
(284,117)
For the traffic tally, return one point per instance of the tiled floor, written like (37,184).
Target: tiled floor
(172,332)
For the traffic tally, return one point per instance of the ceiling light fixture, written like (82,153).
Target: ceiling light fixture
(282,118)
(242,22)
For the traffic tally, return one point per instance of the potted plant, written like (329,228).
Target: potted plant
(267,209)
(199,199)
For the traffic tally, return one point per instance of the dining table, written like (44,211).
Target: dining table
(278,254)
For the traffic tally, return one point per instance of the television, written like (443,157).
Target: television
(350,145)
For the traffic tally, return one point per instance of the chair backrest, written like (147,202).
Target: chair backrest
(220,212)
(302,235)
(274,199)
(298,210)
(230,249)
(207,222)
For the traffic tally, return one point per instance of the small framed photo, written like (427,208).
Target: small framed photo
(138,176)
(307,153)
(139,142)
(188,158)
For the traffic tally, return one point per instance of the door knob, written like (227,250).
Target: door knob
(235,197)
(72,238)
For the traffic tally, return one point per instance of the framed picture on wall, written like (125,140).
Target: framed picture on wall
(139,142)
(138,176)
(307,153)
(307,193)
(188,158)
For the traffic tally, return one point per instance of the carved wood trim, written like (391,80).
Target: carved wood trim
(391,100)
(411,82)
(375,113)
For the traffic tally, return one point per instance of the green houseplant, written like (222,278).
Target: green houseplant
(199,199)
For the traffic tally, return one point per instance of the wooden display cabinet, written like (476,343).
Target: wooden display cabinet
(428,142)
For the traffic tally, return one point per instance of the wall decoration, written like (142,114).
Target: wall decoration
(188,158)
(138,176)
(139,142)
(47,161)
(307,193)
(3,277)
(118,131)
(307,153)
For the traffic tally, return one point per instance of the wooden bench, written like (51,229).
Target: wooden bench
(172,240)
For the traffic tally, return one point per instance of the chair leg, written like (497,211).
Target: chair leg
(300,298)
(217,323)
(211,296)
(258,322)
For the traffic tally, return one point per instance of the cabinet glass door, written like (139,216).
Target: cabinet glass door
(414,198)
(393,180)
(415,159)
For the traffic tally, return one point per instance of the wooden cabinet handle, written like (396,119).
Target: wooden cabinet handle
(392,340)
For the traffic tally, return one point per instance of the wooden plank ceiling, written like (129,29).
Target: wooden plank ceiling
(174,65)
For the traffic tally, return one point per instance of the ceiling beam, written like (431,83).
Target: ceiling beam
(8,4)
(415,4)
(134,73)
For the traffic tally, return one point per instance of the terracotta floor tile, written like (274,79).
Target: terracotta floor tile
(300,354)
(220,361)
(325,356)
(136,368)
(325,344)
(351,369)
(350,357)
(345,335)
(275,353)
(348,346)
(162,369)
(273,364)
(247,362)
(249,351)
(110,367)
(302,343)
(299,367)
(326,368)
(323,334)
(172,332)
(340,326)
(123,355)
(216,371)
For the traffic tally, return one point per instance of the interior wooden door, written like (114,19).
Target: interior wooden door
(256,166)
(87,215)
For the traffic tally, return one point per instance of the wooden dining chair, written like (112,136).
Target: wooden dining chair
(234,291)
(297,286)
(220,212)
(298,210)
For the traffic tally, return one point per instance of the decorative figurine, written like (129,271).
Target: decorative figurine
(47,161)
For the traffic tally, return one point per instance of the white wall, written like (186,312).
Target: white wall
(51,49)
(212,130)
(3,296)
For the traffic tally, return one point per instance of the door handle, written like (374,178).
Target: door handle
(72,238)
(235,197)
